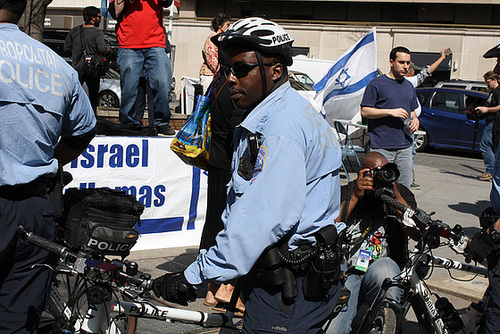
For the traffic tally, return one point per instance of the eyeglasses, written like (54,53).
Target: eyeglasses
(241,70)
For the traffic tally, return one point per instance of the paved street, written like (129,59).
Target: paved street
(449,187)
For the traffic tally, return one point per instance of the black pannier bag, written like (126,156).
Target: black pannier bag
(101,219)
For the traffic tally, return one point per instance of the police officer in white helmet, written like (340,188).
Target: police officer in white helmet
(283,197)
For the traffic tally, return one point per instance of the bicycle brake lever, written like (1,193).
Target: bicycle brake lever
(132,294)
(407,218)
(460,244)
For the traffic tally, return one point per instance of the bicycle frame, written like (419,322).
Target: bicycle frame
(98,318)
(101,316)
(416,293)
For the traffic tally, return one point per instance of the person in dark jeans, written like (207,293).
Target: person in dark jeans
(489,110)
(144,89)
(89,38)
(141,41)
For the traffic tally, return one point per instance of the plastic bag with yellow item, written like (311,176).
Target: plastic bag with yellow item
(192,142)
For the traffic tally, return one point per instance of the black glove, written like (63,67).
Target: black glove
(174,288)
(479,247)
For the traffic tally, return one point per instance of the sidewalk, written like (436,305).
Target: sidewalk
(455,199)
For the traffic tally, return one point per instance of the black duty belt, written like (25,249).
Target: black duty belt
(38,187)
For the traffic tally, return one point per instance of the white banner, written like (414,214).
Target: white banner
(173,193)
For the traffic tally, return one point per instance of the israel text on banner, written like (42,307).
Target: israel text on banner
(341,89)
(173,193)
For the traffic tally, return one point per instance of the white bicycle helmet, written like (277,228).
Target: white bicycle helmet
(266,36)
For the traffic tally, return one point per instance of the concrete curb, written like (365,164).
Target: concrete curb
(471,288)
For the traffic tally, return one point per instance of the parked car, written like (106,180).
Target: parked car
(443,121)
(304,90)
(301,77)
(463,84)
(109,90)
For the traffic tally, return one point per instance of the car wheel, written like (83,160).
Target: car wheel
(421,140)
(108,99)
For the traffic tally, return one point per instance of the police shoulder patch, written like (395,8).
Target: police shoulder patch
(260,162)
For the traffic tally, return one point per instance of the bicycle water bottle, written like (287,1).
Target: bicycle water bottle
(472,316)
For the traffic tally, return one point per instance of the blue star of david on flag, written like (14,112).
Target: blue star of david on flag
(343,77)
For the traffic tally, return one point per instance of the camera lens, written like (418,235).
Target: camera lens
(388,175)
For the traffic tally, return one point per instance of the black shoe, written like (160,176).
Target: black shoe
(165,130)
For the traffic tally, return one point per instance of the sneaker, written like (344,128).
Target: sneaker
(485,177)
(414,186)
(165,130)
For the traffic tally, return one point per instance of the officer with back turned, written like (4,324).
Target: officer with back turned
(45,120)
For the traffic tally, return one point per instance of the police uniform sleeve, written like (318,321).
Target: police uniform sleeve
(79,119)
(270,206)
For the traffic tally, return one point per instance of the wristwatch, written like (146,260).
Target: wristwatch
(495,234)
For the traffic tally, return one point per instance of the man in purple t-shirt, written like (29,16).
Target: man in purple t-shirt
(389,104)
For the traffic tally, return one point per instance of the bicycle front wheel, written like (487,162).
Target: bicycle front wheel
(384,322)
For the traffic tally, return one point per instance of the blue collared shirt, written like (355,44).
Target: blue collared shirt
(41,99)
(295,186)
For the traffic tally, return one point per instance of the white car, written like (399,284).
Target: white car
(109,90)
(301,77)
(304,90)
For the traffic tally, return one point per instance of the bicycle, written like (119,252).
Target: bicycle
(104,296)
(385,316)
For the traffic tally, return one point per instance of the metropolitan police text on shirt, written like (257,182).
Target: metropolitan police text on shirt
(36,78)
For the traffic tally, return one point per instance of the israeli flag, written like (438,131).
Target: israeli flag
(340,91)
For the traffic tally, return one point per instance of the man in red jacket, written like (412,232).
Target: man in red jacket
(141,38)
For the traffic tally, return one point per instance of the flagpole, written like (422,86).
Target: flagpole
(170,22)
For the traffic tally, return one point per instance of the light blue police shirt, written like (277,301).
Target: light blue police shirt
(41,99)
(295,186)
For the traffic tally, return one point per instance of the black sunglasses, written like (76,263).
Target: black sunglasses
(241,70)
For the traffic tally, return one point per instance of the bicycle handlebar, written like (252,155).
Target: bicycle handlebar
(53,247)
(458,239)
(76,259)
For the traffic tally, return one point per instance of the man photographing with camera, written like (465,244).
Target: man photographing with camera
(489,111)
(376,243)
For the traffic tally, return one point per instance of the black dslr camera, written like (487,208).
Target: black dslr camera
(474,115)
(384,176)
